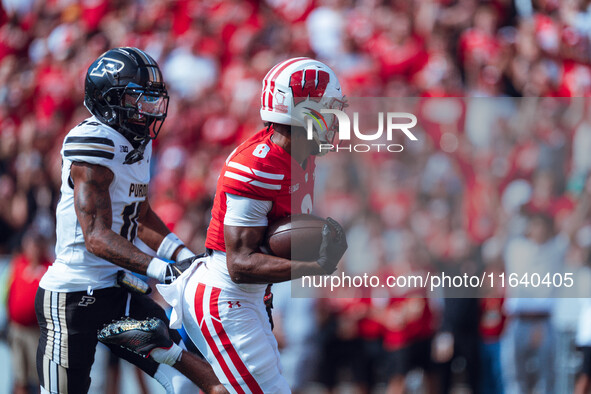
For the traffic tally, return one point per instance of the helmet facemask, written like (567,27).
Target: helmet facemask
(139,112)
(324,127)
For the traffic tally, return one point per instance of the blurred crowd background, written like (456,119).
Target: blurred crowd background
(485,180)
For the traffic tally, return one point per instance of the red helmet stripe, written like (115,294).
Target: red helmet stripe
(279,71)
(264,95)
(268,76)
(272,77)
(266,83)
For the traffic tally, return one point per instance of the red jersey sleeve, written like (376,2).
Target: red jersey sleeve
(261,170)
(252,180)
(257,171)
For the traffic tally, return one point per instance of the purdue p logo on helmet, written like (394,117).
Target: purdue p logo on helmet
(107,65)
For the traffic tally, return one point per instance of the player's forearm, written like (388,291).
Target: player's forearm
(154,233)
(151,229)
(112,247)
(262,268)
(92,202)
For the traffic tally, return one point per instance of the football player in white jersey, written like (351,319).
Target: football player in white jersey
(102,215)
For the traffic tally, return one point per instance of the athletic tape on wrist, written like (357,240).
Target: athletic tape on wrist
(157,269)
(169,244)
(184,253)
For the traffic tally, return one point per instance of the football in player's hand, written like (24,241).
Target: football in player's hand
(295,237)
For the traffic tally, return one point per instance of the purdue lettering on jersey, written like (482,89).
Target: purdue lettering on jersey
(138,190)
(75,269)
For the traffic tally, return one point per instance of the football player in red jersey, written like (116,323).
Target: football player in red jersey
(268,177)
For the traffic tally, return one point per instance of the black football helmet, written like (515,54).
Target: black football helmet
(124,89)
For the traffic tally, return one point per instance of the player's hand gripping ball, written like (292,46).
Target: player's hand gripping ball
(307,238)
(333,246)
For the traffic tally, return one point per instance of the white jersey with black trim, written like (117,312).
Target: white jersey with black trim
(75,268)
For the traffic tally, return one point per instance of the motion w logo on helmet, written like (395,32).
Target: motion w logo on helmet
(308,83)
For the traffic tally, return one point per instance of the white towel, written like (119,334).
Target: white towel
(173,293)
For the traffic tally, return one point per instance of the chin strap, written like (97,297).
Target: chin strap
(137,154)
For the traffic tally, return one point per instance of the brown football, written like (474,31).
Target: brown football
(295,237)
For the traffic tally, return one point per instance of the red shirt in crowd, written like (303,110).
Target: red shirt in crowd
(370,325)
(409,317)
(476,46)
(24,282)
(492,319)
